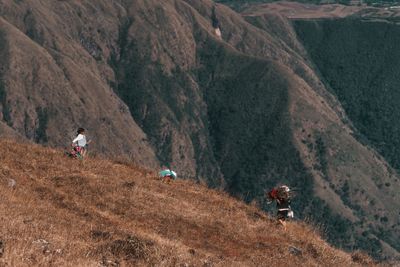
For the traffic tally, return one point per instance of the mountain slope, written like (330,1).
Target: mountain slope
(153,82)
(50,86)
(345,171)
(102,213)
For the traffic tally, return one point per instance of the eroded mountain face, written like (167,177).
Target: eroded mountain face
(154,82)
(55,76)
(363,72)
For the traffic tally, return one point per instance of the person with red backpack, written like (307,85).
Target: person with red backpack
(79,144)
(282,196)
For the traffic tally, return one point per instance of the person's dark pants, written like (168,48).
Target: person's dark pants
(282,214)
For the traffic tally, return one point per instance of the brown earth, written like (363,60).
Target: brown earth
(63,212)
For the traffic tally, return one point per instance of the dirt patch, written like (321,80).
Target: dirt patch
(130,249)
(362,258)
(129,185)
(100,235)
(313,251)
(2,245)
(74,180)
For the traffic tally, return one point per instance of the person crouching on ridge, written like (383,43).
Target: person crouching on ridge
(167,175)
(79,143)
(282,196)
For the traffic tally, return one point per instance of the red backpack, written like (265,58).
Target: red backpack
(281,192)
(273,194)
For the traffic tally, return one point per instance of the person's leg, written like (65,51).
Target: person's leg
(282,218)
(83,152)
(283,223)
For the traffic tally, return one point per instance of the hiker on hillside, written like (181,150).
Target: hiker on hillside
(282,196)
(79,144)
(167,175)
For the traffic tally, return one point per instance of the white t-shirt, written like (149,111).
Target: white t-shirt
(80,140)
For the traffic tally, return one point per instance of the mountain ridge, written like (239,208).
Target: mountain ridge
(153,83)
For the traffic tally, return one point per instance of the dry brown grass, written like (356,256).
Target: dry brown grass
(63,212)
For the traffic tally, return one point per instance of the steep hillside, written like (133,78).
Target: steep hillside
(348,175)
(51,84)
(57,211)
(363,74)
(243,111)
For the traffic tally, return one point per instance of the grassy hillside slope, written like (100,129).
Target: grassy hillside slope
(63,212)
(50,83)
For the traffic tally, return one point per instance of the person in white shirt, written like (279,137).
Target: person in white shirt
(79,143)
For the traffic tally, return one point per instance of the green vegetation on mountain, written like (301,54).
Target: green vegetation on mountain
(240,4)
(360,64)
(247,123)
